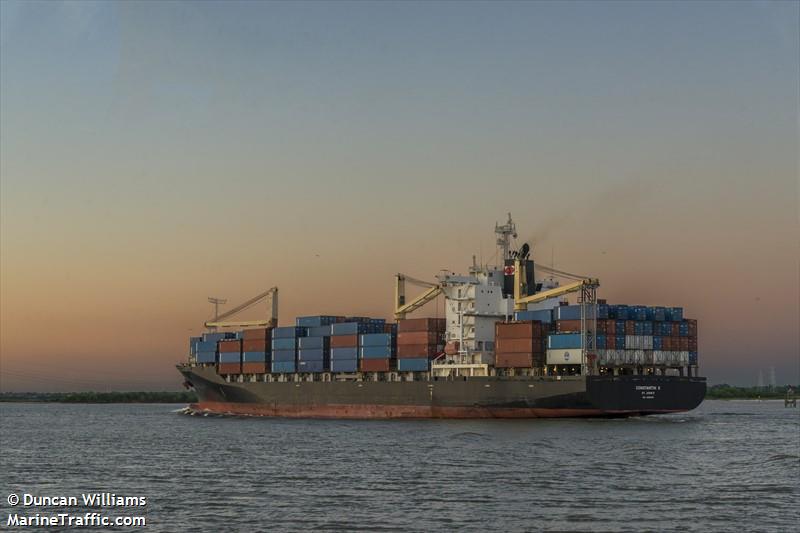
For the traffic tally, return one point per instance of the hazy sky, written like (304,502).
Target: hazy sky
(153,154)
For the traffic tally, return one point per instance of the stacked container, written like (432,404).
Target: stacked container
(284,348)
(256,350)
(230,356)
(313,354)
(519,344)
(418,341)
(377,351)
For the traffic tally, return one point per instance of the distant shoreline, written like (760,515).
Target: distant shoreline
(99,397)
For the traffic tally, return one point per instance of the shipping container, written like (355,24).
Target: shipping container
(344,353)
(344,341)
(416,364)
(312,354)
(418,350)
(259,367)
(601,342)
(420,337)
(518,330)
(376,339)
(516,360)
(230,357)
(569,326)
(344,365)
(693,358)
(376,352)
(216,337)
(206,346)
(564,340)
(305,343)
(255,345)
(229,368)
(567,312)
(311,366)
(193,342)
(263,334)
(283,356)
(288,332)
(229,346)
(284,367)
(375,365)
(421,324)
(282,343)
(564,356)
(675,314)
(254,357)
(621,312)
(355,328)
(319,331)
(542,315)
(504,345)
(317,321)
(206,357)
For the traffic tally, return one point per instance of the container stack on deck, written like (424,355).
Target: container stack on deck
(230,356)
(256,350)
(520,344)
(284,348)
(418,341)
(345,341)
(313,354)
(204,349)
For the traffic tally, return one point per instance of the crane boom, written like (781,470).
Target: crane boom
(521,302)
(401,306)
(272,293)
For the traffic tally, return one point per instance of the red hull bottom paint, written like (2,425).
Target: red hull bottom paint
(405,411)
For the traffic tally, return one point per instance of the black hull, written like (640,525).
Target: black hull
(493,397)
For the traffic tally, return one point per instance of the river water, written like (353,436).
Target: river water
(728,465)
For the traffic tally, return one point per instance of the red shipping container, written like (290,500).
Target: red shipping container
(676,330)
(230,346)
(692,344)
(611,327)
(421,324)
(254,368)
(568,326)
(418,350)
(254,334)
(683,343)
(419,337)
(375,365)
(667,344)
(503,345)
(630,327)
(611,342)
(527,329)
(229,368)
(692,327)
(344,341)
(388,328)
(254,345)
(602,327)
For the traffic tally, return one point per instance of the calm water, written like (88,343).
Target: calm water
(726,466)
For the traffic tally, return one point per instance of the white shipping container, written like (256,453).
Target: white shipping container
(647,342)
(565,356)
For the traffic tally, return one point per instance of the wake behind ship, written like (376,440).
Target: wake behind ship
(510,346)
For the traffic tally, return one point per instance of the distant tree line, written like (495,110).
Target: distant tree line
(100,397)
(729,392)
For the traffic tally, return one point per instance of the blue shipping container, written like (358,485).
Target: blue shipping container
(683,329)
(568,312)
(214,337)
(284,367)
(288,332)
(659,314)
(542,315)
(355,328)
(376,339)
(417,364)
(312,354)
(283,356)
(376,352)
(658,343)
(344,365)
(311,366)
(564,340)
(229,357)
(639,312)
(206,346)
(344,353)
(692,358)
(284,344)
(648,328)
(319,331)
(619,342)
(206,357)
(317,321)
(254,357)
(622,312)
(600,342)
(313,342)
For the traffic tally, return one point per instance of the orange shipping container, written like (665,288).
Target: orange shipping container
(421,324)
(528,329)
(254,368)
(344,341)
(568,326)
(230,346)
(254,345)
(503,345)
(229,368)
(418,350)
(254,334)
(375,365)
(419,337)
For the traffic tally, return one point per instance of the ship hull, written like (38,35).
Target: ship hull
(494,397)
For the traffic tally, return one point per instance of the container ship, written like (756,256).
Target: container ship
(510,345)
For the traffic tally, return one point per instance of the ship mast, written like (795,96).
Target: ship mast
(505,233)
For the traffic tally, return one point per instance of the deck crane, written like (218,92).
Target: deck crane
(271,294)
(401,306)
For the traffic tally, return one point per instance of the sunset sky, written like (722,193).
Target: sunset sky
(153,154)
